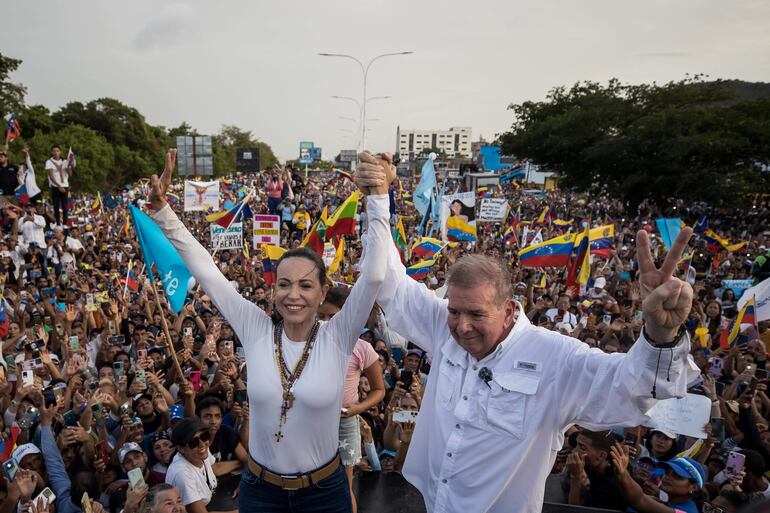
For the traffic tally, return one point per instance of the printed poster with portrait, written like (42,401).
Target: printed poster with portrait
(458,217)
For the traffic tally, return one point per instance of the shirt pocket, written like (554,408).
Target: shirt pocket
(448,383)
(506,404)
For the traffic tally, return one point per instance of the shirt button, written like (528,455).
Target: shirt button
(443,481)
(465,398)
(457,426)
(676,358)
(449,454)
(475,367)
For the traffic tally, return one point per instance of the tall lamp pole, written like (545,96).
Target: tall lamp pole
(365,73)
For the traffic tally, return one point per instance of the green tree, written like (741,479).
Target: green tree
(11,94)
(690,139)
(229,139)
(95,157)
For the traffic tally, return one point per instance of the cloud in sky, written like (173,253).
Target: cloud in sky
(255,64)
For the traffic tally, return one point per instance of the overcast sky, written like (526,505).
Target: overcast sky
(254,63)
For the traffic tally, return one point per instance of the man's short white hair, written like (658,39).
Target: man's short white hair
(472,270)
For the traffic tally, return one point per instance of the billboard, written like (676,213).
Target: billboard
(306,152)
(317,153)
(247,160)
(194,155)
(348,155)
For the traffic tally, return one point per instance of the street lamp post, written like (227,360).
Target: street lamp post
(365,72)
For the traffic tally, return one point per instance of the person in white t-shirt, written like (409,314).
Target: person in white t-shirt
(191,469)
(58,179)
(27,178)
(561,316)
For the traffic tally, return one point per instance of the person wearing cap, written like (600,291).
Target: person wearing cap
(162,451)
(682,483)
(598,292)
(145,410)
(191,470)
(502,392)
(294,438)
(659,445)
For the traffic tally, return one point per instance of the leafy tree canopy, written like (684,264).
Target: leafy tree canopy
(689,139)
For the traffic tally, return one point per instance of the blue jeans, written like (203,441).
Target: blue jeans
(330,495)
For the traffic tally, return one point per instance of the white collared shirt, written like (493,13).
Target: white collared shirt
(489,448)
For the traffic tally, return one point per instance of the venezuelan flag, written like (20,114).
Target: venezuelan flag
(601,240)
(270,256)
(542,218)
(233,215)
(563,222)
(426,247)
(747,315)
(172,199)
(421,270)
(459,230)
(509,236)
(550,253)
(713,241)
(584,258)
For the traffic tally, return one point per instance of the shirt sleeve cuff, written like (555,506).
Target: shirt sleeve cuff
(164,214)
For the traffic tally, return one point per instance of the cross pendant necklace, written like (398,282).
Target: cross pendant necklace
(289,378)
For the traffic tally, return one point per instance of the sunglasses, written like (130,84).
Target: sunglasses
(204,437)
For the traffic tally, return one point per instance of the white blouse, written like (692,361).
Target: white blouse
(311,431)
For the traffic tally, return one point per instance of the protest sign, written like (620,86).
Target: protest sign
(458,217)
(267,230)
(493,209)
(230,238)
(686,416)
(201,196)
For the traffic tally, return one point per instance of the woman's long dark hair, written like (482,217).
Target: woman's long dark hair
(307,254)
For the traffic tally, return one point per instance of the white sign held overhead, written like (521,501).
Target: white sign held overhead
(686,416)
(201,196)
(493,210)
(230,238)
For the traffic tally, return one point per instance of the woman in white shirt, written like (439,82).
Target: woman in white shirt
(296,363)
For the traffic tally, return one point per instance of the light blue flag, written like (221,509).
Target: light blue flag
(424,191)
(160,254)
(669,229)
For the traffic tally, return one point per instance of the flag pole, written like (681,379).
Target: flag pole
(125,287)
(237,213)
(163,321)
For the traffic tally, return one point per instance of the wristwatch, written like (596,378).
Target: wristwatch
(665,345)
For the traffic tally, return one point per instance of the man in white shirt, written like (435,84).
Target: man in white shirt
(32,228)
(58,179)
(71,246)
(502,392)
(560,316)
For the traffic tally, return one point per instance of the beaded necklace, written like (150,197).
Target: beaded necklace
(289,378)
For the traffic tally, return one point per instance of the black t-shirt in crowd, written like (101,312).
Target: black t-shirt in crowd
(153,425)
(9,180)
(224,443)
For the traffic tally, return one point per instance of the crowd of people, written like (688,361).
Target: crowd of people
(97,414)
